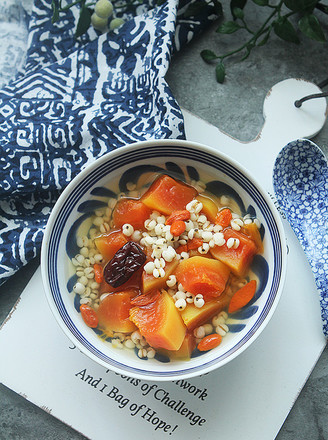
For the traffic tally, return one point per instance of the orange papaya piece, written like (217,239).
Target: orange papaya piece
(160,323)
(210,208)
(253,232)
(149,282)
(194,317)
(184,353)
(203,275)
(108,244)
(113,312)
(239,259)
(145,298)
(130,211)
(167,195)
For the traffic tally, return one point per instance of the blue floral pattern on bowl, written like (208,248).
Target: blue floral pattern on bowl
(301,185)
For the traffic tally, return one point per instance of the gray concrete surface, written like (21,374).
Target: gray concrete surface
(236,108)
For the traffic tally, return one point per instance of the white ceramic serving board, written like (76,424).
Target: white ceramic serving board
(248,398)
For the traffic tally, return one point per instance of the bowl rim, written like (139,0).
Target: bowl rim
(134,372)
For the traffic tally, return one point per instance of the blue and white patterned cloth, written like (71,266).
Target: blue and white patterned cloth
(73,100)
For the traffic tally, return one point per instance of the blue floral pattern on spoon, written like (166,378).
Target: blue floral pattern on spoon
(300,181)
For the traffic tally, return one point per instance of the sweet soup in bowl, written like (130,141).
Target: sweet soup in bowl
(163,260)
(163,267)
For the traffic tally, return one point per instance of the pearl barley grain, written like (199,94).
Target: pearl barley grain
(199,300)
(156,273)
(184,255)
(207,236)
(171,281)
(208,329)
(151,353)
(79,288)
(169,254)
(180,294)
(180,304)
(230,242)
(136,236)
(199,332)
(149,267)
(257,222)
(127,229)
(128,343)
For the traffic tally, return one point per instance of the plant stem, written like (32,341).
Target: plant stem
(246,27)
(256,35)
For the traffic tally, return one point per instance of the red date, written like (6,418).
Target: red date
(127,260)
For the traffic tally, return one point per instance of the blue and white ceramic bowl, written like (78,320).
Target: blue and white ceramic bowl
(90,190)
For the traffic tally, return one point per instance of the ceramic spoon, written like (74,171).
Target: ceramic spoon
(300,180)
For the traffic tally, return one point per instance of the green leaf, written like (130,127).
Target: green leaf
(229,27)
(55,11)
(238,13)
(261,2)
(311,27)
(208,56)
(237,4)
(285,30)
(220,72)
(300,5)
(84,22)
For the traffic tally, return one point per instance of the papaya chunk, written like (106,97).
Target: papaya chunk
(210,208)
(160,323)
(194,317)
(108,244)
(184,353)
(113,312)
(203,275)
(167,195)
(130,211)
(253,232)
(239,259)
(145,298)
(149,282)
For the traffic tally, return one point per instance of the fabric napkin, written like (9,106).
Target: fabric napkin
(76,100)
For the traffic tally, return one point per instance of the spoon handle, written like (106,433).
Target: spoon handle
(300,180)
